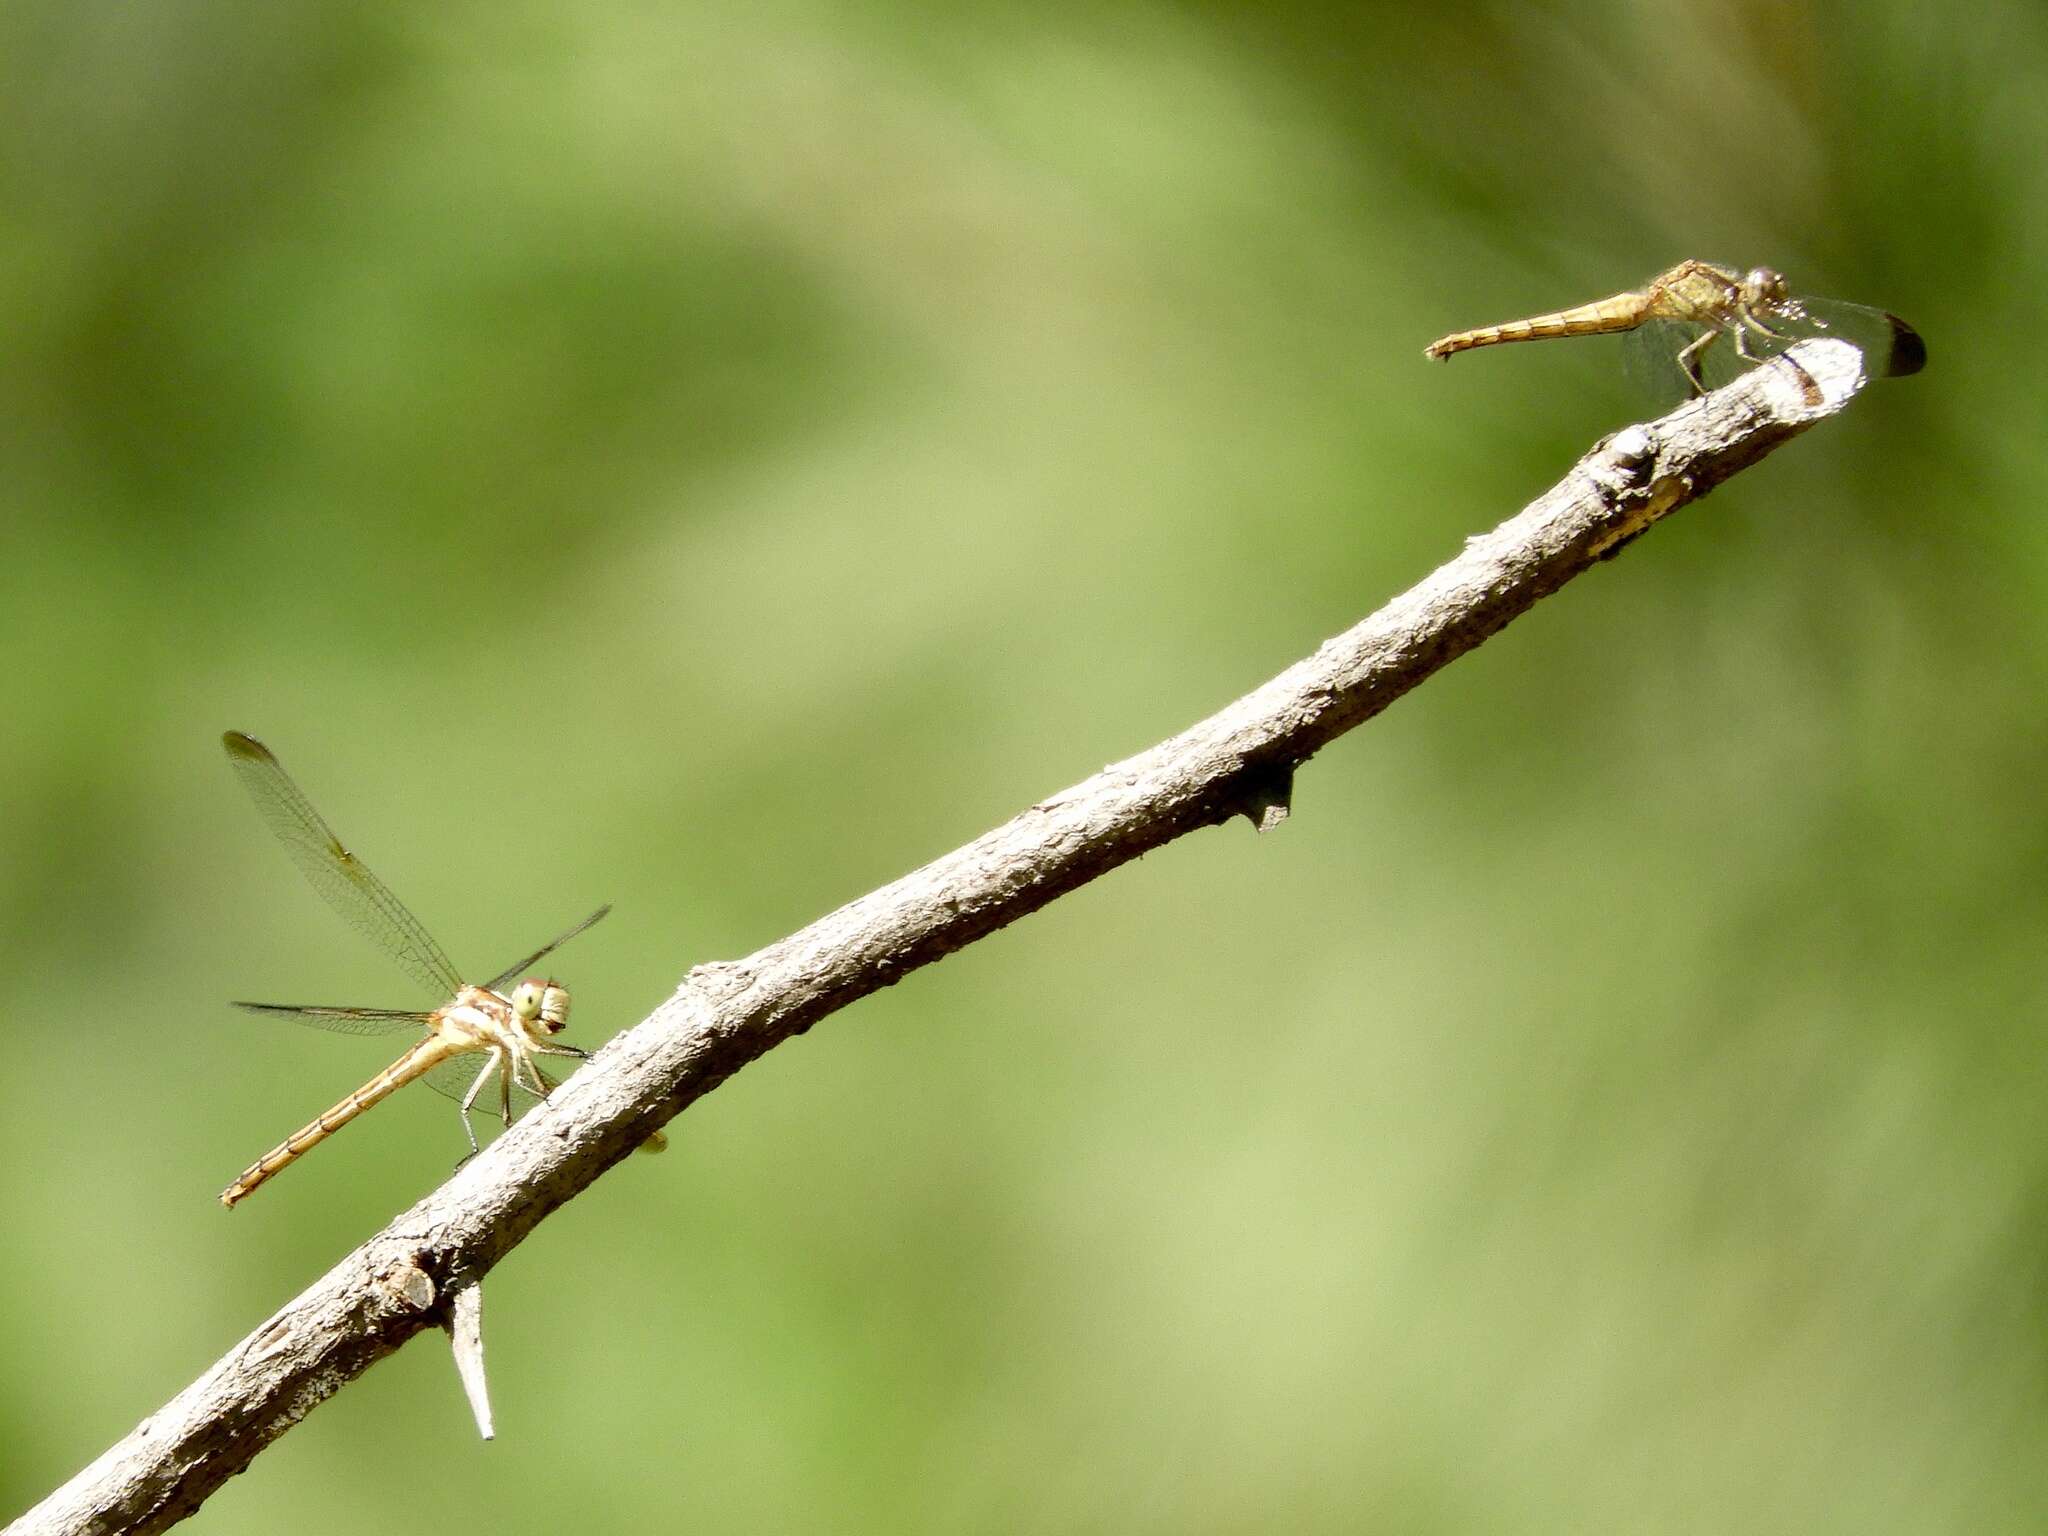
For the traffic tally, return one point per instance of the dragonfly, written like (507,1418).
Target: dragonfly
(1684,312)
(483,1039)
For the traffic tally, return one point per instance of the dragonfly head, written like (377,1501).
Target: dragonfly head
(541,1004)
(1764,291)
(1764,286)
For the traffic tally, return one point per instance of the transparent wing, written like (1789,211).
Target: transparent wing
(342,879)
(497,982)
(1651,352)
(454,1078)
(346,1021)
(498,1099)
(1891,348)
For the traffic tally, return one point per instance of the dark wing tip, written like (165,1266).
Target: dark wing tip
(1909,352)
(239,744)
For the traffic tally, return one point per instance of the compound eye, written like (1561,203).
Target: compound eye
(527,1000)
(1767,284)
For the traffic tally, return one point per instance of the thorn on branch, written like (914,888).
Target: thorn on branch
(466,1337)
(1264,795)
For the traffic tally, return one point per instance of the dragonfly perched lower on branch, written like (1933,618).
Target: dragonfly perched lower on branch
(1680,315)
(481,1036)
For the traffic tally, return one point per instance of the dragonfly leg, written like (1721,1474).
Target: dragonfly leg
(1753,325)
(1689,359)
(1750,323)
(540,1083)
(469,1102)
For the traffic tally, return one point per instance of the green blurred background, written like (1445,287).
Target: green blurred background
(717,458)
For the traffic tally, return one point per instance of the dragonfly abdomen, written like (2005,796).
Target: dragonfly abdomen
(422,1058)
(1623,312)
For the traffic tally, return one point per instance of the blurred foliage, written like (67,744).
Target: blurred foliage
(716,458)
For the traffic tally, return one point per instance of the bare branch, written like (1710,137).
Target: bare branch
(1240,761)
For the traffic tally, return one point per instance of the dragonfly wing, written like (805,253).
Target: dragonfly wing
(342,879)
(1652,351)
(455,1077)
(497,982)
(1891,347)
(347,1021)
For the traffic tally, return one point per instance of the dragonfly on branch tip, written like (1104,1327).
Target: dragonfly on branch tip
(1679,316)
(483,1038)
